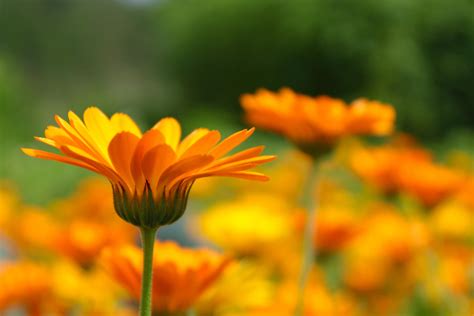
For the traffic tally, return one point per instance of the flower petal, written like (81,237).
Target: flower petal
(171,130)
(121,150)
(231,142)
(155,162)
(123,123)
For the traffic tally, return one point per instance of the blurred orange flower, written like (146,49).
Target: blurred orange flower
(307,120)
(23,284)
(409,169)
(180,275)
(386,240)
(153,171)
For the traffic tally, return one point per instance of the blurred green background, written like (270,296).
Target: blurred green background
(192,59)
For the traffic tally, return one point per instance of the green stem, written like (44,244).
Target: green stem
(309,248)
(148,243)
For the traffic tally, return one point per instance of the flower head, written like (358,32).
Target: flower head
(180,275)
(23,283)
(310,121)
(151,173)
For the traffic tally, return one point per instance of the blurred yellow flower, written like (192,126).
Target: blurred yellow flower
(309,120)
(453,221)
(90,292)
(242,287)
(318,301)
(231,225)
(151,173)
(180,275)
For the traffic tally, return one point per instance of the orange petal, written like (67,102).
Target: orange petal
(248,175)
(241,155)
(203,145)
(231,142)
(171,130)
(103,169)
(183,168)
(191,139)
(150,139)
(121,150)
(156,161)
(51,156)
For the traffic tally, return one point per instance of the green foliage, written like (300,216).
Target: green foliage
(414,54)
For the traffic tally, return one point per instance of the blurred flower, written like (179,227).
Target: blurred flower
(335,228)
(180,275)
(386,240)
(231,225)
(309,120)
(429,182)
(8,203)
(409,169)
(83,240)
(318,301)
(24,284)
(252,284)
(92,200)
(89,292)
(453,221)
(151,173)
(379,166)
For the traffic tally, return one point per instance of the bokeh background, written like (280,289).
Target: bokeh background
(192,60)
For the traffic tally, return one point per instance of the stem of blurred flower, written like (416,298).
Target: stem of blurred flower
(148,243)
(308,238)
(191,312)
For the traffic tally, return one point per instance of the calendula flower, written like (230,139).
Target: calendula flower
(408,169)
(88,292)
(379,166)
(318,301)
(335,228)
(180,275)
(385,243)
(253,284)
(453,221)
(151,173)
(309,121)
(24,284)
(228,224)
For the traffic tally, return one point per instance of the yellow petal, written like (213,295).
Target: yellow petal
(171,130)
(123,123)
(99,127)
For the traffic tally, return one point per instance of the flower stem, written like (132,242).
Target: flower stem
(308,239)
(148,243)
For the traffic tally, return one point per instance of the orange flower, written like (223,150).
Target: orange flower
(335,228)
(409,169)
(151,173)
(180,275)
(306,120)
(23,284)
